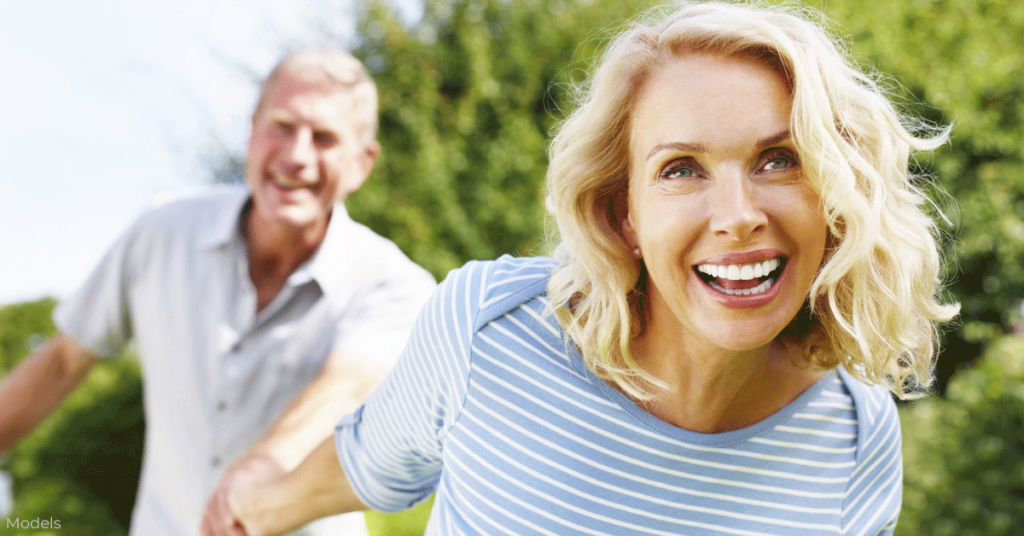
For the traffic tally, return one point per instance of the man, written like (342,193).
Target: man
(261,314)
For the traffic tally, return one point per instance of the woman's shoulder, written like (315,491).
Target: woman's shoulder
(878,421)
(497,286)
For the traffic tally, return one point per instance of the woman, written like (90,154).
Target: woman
(746,273)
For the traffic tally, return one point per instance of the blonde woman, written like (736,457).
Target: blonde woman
(745,277)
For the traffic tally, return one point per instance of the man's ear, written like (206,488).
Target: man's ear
(369,156)
(364,166)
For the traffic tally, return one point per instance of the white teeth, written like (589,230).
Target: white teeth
(285,182)
(763,287)
(740,272)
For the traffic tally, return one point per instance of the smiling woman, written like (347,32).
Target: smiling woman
(745,276)
(757,115)
(719,186)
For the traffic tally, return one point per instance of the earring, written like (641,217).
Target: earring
(636,253)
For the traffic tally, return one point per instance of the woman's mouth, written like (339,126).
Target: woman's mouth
(742,279)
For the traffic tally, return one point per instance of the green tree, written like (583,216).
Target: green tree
(961,60)
(468,97)
(964,455)
(81,465)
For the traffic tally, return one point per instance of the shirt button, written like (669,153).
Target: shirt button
(215,461)
(237,347)
(222,405)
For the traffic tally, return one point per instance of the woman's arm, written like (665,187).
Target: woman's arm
(317,488)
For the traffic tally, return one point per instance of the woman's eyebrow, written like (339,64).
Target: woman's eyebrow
(701,148)
(772,140)
(678,146)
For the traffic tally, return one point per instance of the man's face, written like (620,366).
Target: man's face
(306,151)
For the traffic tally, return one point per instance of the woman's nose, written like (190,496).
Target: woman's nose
(737,212)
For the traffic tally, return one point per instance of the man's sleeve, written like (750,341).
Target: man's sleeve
(391,447)
(874,494)
(97,315)
(376,324)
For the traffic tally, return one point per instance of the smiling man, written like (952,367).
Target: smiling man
(261,314)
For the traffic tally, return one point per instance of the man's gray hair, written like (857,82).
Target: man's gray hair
(333,67)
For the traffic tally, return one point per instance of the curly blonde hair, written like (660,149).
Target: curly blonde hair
(873,306)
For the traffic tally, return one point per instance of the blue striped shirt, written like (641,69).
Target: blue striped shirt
(489,409)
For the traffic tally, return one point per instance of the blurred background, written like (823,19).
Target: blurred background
(110,105)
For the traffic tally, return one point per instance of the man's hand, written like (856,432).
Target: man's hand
(241,503)
(248,472)
(318,487)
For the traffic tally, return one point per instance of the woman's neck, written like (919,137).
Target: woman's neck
(714,390)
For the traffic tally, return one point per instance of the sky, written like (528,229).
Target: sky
(107,106)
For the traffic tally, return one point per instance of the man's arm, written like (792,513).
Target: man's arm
(343,382)
(340,387)
(39,384)
(318,487)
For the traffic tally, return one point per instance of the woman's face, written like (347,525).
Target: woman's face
(730,231)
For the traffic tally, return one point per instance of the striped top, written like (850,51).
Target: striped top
(488,408)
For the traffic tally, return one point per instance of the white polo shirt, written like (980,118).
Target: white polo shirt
(215,373)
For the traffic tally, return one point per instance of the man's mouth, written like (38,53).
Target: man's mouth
(742,279)
(285,183)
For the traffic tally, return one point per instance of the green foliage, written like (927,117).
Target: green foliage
(964,455)
(23,326)
(411,522)
(81,465)
(962,59)
(468,98)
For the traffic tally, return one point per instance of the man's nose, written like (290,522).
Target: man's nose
(301,151)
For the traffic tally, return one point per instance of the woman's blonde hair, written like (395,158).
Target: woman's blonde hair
(873,306)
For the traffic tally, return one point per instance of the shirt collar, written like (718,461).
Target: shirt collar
(224,229)
(327,261)
(321,268)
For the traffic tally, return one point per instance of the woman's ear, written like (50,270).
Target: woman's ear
(629,233)
(620,210)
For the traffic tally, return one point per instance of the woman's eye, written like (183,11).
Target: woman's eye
(780,161)
(678,170)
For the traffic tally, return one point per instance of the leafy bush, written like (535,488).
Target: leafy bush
(81,465)
(964,455)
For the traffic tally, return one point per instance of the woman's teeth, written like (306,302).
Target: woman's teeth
(763,287)
(740,272)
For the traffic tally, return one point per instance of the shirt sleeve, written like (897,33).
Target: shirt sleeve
(376,324)
(391,447)
(875,490)
(97,314)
